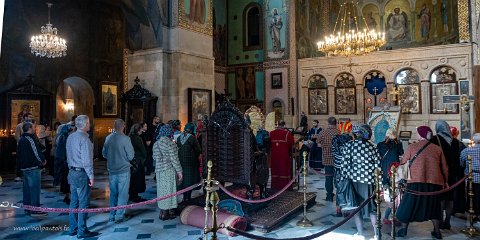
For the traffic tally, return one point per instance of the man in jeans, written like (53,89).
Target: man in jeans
(29,160)
(80,175)
(118,150)
(325,140)
(27,117)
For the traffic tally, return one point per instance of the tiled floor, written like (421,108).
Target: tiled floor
(145,223)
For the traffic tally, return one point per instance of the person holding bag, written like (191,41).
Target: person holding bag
(428,173)
(361,158)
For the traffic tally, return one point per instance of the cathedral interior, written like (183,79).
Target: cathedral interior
(186,59)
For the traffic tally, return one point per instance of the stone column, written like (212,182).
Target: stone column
(382,26)
(413,14)
(360,101)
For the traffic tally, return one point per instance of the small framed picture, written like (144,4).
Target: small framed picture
(276,80)
(109,99)
(406,135)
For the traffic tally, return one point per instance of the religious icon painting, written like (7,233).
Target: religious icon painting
(21,106)
(443,81)
(317,95)
(196,15)
(409,98)
(109,99)
(345,97)
(382,120)
(199,103)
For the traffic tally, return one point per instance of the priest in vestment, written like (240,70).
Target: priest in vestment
(281,159)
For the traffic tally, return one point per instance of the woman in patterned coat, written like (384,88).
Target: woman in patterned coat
(361,158)
(188,152)
(168,170)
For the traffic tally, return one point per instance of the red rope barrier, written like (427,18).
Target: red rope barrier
(105,209)
(260,200)
(316,235)
(436,192)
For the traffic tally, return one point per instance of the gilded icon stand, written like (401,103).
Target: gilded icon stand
(470,231)
(305,222)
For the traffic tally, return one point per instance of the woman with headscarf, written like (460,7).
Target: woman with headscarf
(61,166)
(451,148)
(390,151)
(137,177)
(188,153)
(429,173)
(167,170)
(360,159)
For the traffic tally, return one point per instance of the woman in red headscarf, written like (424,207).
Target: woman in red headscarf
(429,173)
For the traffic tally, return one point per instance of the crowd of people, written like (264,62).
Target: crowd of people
(436,161)
(174,156)
(344,150)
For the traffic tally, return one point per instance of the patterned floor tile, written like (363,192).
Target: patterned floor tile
(169,226)
(148,220)
(144,236)
(125,229)
(194,232)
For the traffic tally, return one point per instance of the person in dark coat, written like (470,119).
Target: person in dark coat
(451,148)
(188,153)
(137,178)
(315,156)
(61,166)
(390,151)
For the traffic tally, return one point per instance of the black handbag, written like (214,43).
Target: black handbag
(134,167)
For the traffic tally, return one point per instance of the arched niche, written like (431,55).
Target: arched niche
(76,91)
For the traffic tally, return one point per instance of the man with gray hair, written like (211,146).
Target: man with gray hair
(80,176)
(118,150)
(474,152)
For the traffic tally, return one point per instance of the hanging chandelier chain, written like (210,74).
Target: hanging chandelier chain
(350,40)
(49,6)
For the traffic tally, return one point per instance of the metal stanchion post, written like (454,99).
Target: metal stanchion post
(393,198)
(305,222)
(214,201)
(378,200)
(470,231)
(208,190)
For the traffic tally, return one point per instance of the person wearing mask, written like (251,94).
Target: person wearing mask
(168,171)
(473,152)
(361,158)
(325,141)
(429,173)
(390,151)
(80,176)
(118,151)
(137,179)
(30,159)
(451,148)
(189,152)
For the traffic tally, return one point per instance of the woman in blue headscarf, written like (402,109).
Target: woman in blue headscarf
(188,152)
(168,171)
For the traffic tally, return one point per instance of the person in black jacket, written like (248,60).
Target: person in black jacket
(30,159)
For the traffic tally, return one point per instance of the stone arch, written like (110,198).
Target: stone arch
(272,107)
(78,90)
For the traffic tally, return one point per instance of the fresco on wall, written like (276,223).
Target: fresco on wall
(429,23)
(219,32)
(371,17)
(276,21)
(196,15)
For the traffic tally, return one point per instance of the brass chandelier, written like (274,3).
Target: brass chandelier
(48,44)
(349,40)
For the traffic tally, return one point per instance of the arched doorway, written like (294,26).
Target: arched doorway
(74,97)
(277,107)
